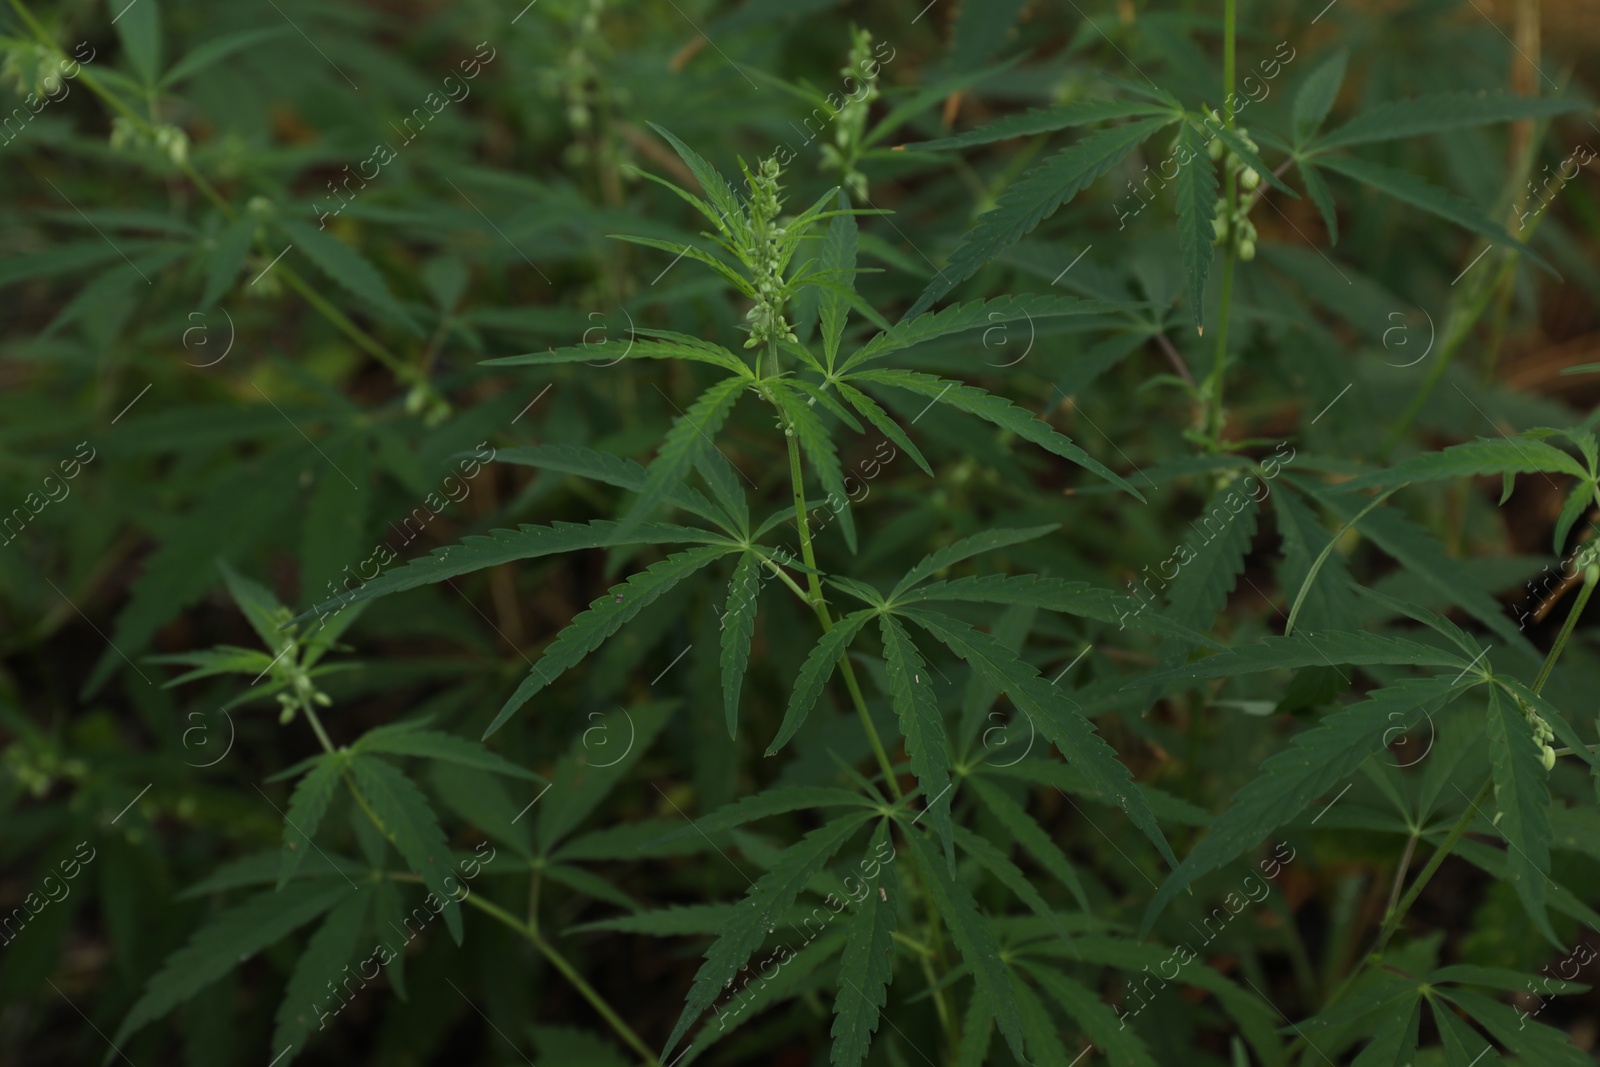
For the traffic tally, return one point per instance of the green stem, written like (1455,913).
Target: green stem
(316,724)
(1591,575)
(820,606)
(570,973)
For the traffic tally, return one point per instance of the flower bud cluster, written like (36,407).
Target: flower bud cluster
(767,323)
(1227,223)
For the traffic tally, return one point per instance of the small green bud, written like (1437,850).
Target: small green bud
(1247,249)
(1250,179)
(1548,758)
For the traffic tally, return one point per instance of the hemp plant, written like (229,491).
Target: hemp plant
(815,390)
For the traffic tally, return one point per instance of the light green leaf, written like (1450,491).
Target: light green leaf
(814,674)
(1052,712)
(1440,113)
(1040,120)
(1315,761)
(738,626)
(349,268)
(920,724)
(330,949)
(1316,95)
(607,352)
(604,467)
(447,748)
(865,971)
(1317,190)
(138,26)
(1033,198)
(1325,648)
(1028,834)
(959,318)
(758,913)
(975,940)
(307,805)
(217,49)
(226,940)
(966,548)
(880,419)
(411,826)
(1000,412)
(1474,458)
(1522,797)
(1122,1046)
(1196,196)
(605,616)
(1412,190)
(694,430)
(838,255)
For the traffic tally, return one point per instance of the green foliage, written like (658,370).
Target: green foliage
(743,505)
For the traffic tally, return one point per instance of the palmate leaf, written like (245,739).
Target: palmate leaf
(817,445)
(814,674)
(1317,189)
(1052,712)
(1040,120)
(604,617)
(1322,649)
(738,628)
(694,430)
(1538,1043)
(994,860)
(330,949)
(597,761)
(1316,95)
(1033,198)
(1315,761)
(1000,412)
(1412,190)
(1055,594)
(865,970)
(966,548)
(446,748)
(1122,1046)
(1522,796)
(349,269)
(758,913)
(1040,1031)
(1474,458)
(227,939)
(307,805)
(604,467)
(958,318)
(411,826)
(1415,548)
(1257,1022)
(723,201)
(1209,574)
(1196,196)
(880,420)
(1440,113)
(793,977)
(911,689)
(775,801)
(1395,1040)
(839,255)
(676,920)
(1038,844)
(975,940)
(505,546)
(633,348)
